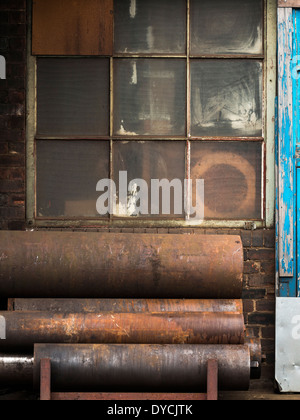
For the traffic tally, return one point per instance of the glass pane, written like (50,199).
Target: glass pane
(73,96)
(136,165)
(67,176)
(226,27)
(232,173)
(226,98)
(150,26)
(150,97)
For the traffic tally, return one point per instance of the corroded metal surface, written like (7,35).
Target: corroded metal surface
(255,349)
(16,369)
(132,396)
(86,367)
(47,395)
(139,368)
(127,305)
(66,27)
(86,265)
(24,329)
(142,367)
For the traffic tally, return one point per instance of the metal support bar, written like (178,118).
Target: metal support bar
(46,395)
(212,380)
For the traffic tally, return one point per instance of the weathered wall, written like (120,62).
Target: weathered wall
(12,114)
(259,245)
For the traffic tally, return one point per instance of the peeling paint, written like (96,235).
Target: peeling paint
(132,9)
(123,132)
(134,79)
(285,144)
(150,37)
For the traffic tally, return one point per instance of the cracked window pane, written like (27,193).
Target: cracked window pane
(226,98)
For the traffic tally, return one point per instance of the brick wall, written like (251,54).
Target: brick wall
(12,114)
(259,245)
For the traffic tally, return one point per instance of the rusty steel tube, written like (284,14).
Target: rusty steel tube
(127,305)
(16,370)
(142,367)
(24,329)
(108,265)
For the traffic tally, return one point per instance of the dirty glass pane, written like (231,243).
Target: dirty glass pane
(232,174)
(67,176)
(149,97)
(226,98)
(136,165)
(73,96)
(226,27)
(150,26)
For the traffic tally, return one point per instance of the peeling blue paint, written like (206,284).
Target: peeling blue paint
(296,116)
(286,188)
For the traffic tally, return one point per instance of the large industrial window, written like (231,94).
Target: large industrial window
(174,91)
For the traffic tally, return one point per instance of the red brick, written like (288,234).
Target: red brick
(257,238)
(246,236)
(12,5)
(7,186)
(3,149)
(261,254)
(267,305)
(17,17)
(261,318)
(248,305)
(252,267)
(256,280)
(12,213)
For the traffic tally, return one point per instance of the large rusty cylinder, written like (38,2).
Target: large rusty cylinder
(127,305)
(108,265)
(24,329)
(149,368)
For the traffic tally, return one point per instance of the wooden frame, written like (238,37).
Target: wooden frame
(285,144)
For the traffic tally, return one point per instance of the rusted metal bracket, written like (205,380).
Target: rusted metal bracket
(47,395)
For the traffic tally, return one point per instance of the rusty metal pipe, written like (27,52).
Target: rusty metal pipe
(142,367)
(24,329)
(127,305)
(16,370)
(100,265)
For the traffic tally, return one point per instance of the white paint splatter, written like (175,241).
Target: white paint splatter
(150,37)
(132,9)
(134,78)
(123,132)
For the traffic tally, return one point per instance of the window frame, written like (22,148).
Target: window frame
(267,141)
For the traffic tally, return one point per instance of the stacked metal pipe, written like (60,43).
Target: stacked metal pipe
(125,312)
